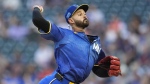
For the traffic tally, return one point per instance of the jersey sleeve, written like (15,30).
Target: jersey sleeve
(55,33)
(47,30)
(100,56)
(100,72)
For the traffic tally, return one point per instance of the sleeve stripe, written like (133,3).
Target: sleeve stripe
(50,25)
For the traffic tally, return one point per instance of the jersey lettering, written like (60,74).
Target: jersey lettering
(96,48)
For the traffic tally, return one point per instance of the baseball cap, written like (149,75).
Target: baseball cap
(72,9)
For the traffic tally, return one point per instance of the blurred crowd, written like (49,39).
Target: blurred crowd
(34,58)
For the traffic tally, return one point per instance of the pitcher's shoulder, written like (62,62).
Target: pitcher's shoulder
(66,30)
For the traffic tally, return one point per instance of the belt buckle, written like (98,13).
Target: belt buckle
(71,83)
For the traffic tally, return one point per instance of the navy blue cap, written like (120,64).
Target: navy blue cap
(72,9)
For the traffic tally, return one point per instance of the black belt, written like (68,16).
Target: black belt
(60,78)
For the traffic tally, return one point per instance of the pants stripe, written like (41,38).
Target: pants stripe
(52,81)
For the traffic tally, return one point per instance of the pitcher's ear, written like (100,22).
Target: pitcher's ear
(70,20)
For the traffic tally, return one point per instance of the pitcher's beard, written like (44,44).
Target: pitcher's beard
(83,24)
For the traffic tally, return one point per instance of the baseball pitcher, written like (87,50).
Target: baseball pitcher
(75,52)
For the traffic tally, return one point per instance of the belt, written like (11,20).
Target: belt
(60,78)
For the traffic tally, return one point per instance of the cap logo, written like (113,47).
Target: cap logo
(75,5)
(68,14)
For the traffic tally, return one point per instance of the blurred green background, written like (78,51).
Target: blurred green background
(123,26)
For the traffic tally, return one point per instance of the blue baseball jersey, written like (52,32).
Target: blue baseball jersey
(74,53)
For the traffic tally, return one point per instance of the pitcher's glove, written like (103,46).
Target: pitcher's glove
(111,64)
